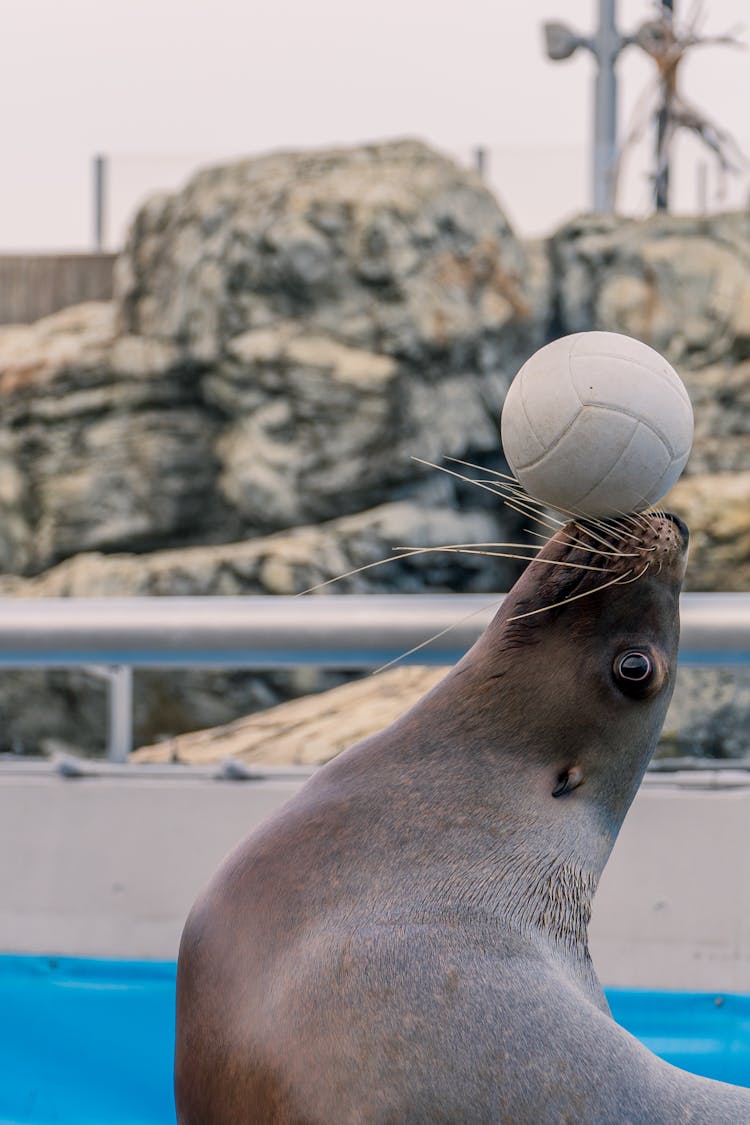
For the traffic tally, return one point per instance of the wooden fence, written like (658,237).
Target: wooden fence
(35,285)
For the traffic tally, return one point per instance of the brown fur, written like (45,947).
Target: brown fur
(406,940)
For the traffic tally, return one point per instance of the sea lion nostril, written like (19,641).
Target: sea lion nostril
(681,526)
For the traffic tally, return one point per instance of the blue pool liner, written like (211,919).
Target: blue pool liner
(90,1042)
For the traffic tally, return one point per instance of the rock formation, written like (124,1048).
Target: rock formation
(287,334)
(708,718)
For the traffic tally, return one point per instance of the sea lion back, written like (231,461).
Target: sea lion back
(406,941)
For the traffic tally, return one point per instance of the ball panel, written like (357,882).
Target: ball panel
(624,384)
(617,344)
(633,477)
(614,345)
(580,459)
(682,433)
(520,444)
(669,477)
(549,397)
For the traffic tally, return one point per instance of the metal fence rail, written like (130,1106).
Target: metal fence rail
(112,636)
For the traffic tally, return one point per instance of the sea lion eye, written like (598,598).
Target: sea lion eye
(633,670)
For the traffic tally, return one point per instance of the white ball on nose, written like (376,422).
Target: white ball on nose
(597,424)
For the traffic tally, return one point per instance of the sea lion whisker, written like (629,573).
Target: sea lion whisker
(512,485)
(455,546)
(606,527)
(516,493)
(453,473)
(497,485)
(542,515)
(634,519)
(529,510)
(506,481)
(528,515)
(572,542)
(436,636)
(502,555)
(572,598)
(586,529)
(520,493)
(607,549)
(620,527)
(357,570)
(485,469)
(530,547)
(626,582)
(591,522)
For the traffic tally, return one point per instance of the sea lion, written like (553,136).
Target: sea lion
(406,940)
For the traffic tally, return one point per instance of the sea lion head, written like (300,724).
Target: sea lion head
(579,664)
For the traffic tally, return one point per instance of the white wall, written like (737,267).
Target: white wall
(673,908)
(109,866)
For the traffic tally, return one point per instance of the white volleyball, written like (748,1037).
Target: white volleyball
(597,424)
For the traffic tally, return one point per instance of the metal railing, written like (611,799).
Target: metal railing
(112,636)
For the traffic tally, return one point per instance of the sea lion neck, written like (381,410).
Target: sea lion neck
(534,744)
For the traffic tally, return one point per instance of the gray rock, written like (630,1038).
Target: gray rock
(293,561)
(709,716)
(71,706)
(104,441)
(289,332)
(315,428)
(390,248)
(680,284)
(716,508)
(721,402)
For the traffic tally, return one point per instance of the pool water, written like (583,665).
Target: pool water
(90,1042)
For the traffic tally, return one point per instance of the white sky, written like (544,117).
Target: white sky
(162,85)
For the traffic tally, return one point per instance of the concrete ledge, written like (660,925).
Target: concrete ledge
(673,907)
(109,865)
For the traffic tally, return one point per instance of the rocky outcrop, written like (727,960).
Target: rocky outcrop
(288,333)
(292,562)
(170,702)
(391,249)
(104,442)
(721,401)
(716,508)
(709,718)
(307,731)
(354,308)
(680,284)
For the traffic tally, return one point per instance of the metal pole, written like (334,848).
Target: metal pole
(100,187)
(606,44)
(662,126)
(120,719)
(702,188)
(480,161)
(346,631)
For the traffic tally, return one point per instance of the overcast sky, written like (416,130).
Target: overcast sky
(161,85)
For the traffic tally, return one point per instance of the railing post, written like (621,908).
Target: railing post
(120,712)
